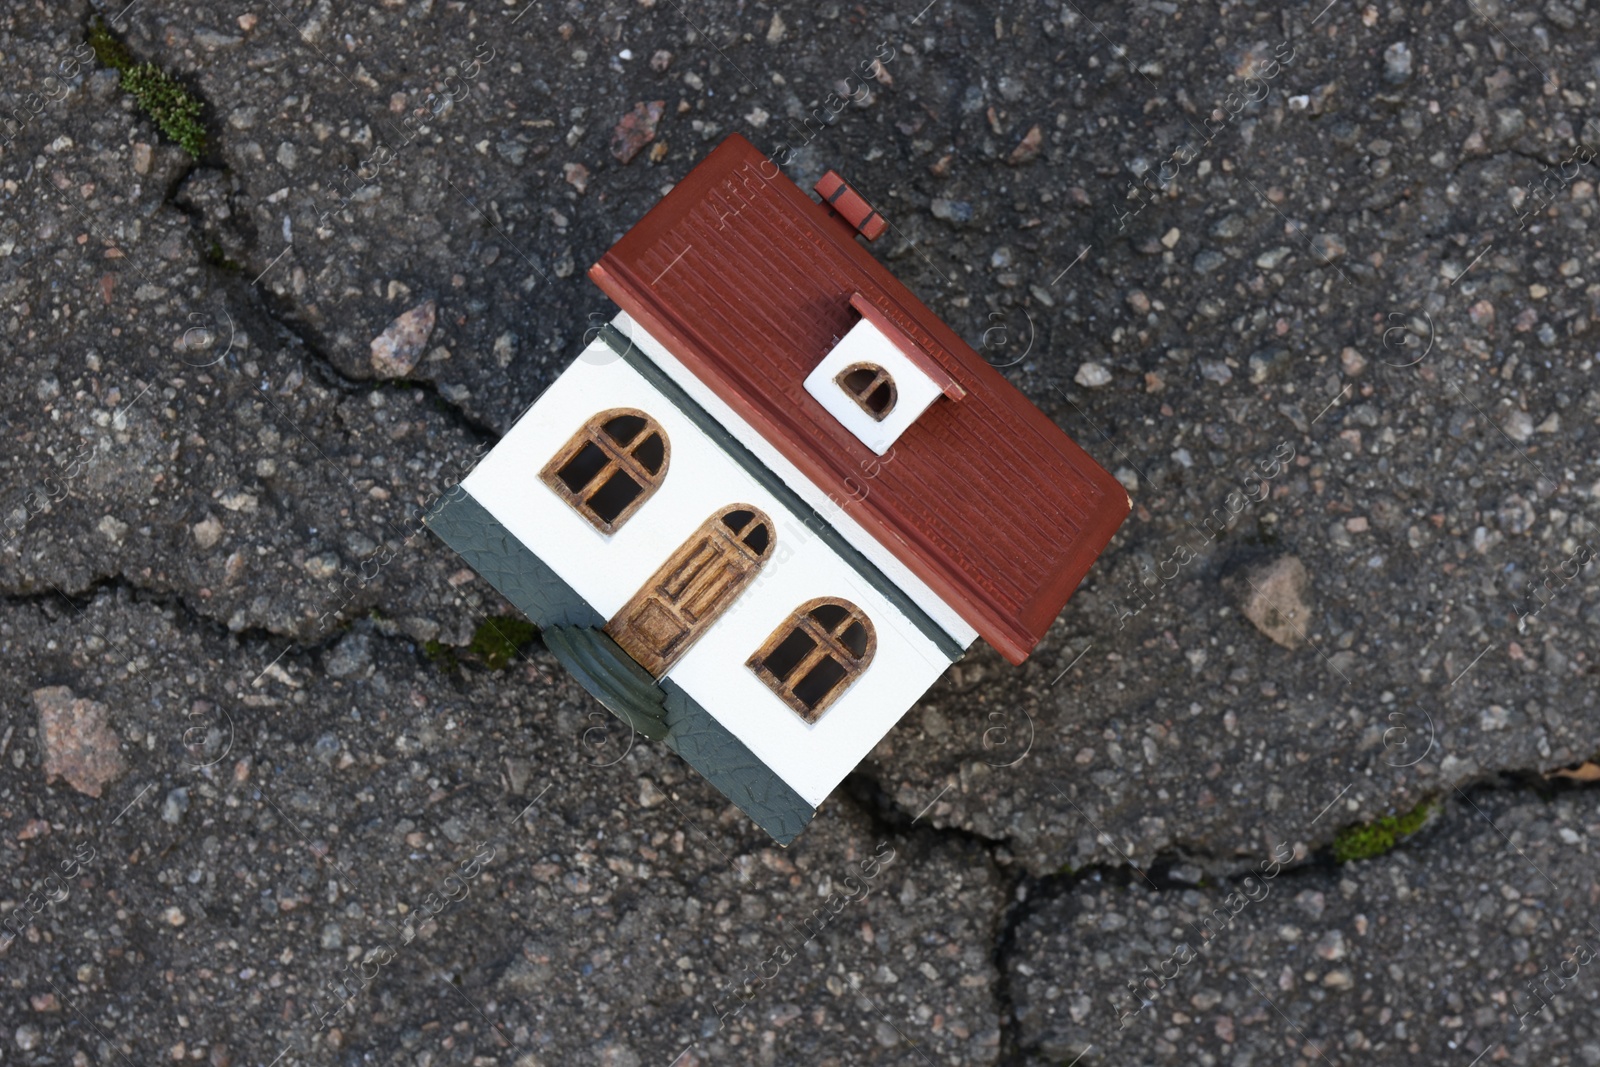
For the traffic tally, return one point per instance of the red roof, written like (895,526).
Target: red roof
(749,282)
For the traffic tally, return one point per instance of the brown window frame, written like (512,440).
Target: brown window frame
(880,376)
(826,643)
(619,458)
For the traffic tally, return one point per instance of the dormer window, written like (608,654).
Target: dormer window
(877,380)
(870,386)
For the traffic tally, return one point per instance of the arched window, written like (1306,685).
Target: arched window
(870,386)
(813,657)
(610,467)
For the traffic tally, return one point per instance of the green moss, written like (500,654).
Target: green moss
(170,106)
(441,656)
(499,639)
(174,110)
(107,49)
(1377,838)
(219,259)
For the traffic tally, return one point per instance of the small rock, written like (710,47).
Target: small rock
(174,916)
(174,806)
(1274,596)
(351,656)
(1328,247)
(142,154)
(1092,376)
(1228,227)
(79,745)
(1028,148)
(1207,262)
(1340,979)
(1396,63)
(28,1037)
(1518,426)
(396,350)
(1215,370)
(1270,260)
(775,29)
(327,748)
(1169,239)
(957,211)
(577,175)
(1508,122)
(212,41)
(1352,361)
(113,529)
(637,129)
(1331,946)
(1267,362)
(661,61)
(207,532)
(1139,301)
(649,793)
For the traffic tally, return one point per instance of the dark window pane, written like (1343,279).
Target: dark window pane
(737,520)
(624,428)
(787,656)
(855,639)
(819,682)
(580,470)
(611,498)
(651,452)
(829,615)
(881,400)
(860,380)
(758,538)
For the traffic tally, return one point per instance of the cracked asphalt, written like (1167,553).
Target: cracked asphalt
(1318,284)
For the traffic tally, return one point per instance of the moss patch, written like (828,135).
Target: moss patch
(219,259)
(107,49)
(1377,838)
(441,656)
(500,638)
(174,110)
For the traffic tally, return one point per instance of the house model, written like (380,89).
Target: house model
(775,496)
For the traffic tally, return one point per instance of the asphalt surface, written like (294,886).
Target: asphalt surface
(1319,285)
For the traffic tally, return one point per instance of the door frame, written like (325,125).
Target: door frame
(656,626)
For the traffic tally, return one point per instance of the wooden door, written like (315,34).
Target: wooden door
(694,586)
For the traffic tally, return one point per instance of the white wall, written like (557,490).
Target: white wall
(606,571)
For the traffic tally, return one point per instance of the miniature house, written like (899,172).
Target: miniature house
(776,496)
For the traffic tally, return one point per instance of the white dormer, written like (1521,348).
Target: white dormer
(871,384)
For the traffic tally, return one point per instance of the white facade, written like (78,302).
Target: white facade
(606,570)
